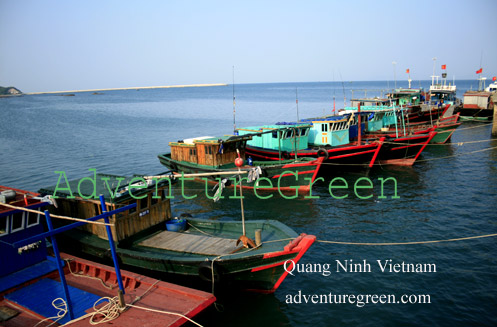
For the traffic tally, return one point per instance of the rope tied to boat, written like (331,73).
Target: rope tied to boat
(254,174)
(219,187)
(55,216)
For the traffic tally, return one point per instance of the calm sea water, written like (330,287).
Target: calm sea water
(450,193)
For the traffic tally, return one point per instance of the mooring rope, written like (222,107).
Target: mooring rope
(409,243)
(56,216)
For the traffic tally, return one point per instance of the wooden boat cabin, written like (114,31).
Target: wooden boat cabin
(80,198)
(209,151)
(288,138)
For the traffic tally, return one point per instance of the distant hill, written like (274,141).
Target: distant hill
(10,90)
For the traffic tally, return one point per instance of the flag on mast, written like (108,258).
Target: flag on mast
(479,71)
(444,66)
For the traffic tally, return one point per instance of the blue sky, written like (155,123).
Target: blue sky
(66,45)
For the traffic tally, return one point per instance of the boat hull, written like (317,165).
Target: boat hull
(287,176)
(404,150)
(347,156)
(259,270)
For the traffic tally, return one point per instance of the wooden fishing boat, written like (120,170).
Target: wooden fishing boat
(64,288)
(399,146)
(206,248)
(326,137)
(211,155)
(403,150)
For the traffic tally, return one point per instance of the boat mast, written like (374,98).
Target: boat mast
(234,111)
(297,102)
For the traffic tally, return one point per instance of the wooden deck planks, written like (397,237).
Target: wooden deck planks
(185,242)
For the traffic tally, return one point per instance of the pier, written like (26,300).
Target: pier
(128,88)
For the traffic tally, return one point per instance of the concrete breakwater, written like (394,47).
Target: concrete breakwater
(128,88)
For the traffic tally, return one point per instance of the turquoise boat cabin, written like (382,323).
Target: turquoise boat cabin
(283,138)
(406,97)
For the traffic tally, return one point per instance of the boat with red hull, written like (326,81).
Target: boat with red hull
(403,150)
(349,155)
(35,287)
(326,137)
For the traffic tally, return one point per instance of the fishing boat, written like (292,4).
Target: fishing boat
(410,98)
(36,288)
(188,249)
(478,105)
(326,137)
(400,145)
(211,155)
(441,101)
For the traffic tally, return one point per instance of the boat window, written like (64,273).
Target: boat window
(132,210)
(17,222)
(33,219)
(289,133)
(144,203)
(4,225)
(275,135)
(155,198)
(98,209)
(324,127)
(208,149)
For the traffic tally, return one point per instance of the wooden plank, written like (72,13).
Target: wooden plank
(197,244)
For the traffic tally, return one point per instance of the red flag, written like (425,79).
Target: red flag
(407,71)
(444,66)
(494,79)
(479,71)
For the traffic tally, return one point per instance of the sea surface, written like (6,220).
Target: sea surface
(449,193)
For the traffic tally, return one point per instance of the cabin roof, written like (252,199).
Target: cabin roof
(406,91)
(194,139)
(477,94)
(277,126)
(92,186)
(371,100)
(18,200)
(210,140)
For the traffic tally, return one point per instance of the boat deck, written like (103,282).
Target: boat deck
(186,242)
(147,292)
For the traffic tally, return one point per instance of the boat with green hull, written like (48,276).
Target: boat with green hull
(208,248)
(215,156)
(145,240)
